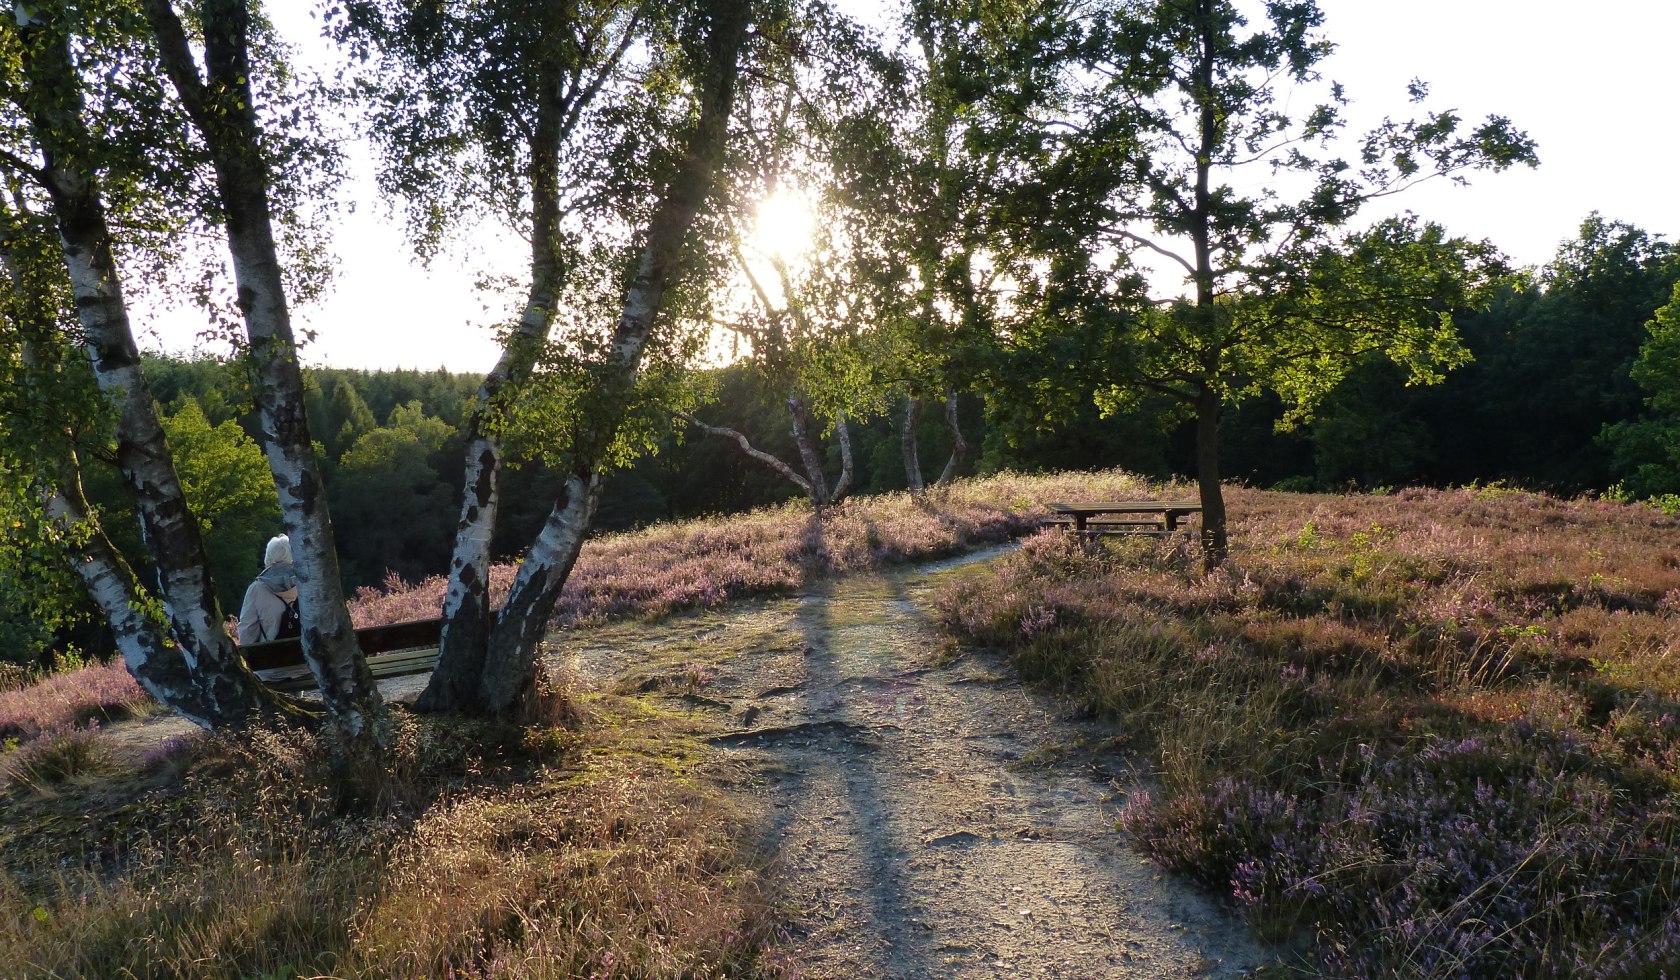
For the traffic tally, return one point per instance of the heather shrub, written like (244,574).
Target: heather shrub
(69,698)
(1429,734)
(774,550)
(55,756)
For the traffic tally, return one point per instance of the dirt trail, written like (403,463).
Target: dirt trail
(929,821)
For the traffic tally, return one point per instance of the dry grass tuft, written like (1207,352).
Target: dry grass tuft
(504,853)
(55,757)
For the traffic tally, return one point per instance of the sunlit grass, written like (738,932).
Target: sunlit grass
(537,852)
(1433,734)
(774,550)
(69,698)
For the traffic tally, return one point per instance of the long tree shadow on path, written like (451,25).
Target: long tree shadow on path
(913,841)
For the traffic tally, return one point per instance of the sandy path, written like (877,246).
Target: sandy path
(929,821)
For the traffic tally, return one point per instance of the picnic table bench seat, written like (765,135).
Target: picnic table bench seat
(393,650)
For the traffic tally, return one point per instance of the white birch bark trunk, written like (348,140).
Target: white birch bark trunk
(907,444)
(805,439)
(740,439)
(453,686)
(510,663)
(844,485)
(224,694)
(224,113)
(959,445)
(161,669)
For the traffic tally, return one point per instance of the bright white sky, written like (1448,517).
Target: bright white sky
(1587,81)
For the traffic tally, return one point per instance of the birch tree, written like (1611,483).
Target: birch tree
(220,99)
(802,319)
(919,162)
(56,159)
(717,36)
(582,176)
(527,80)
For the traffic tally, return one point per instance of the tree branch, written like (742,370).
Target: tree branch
(747,447)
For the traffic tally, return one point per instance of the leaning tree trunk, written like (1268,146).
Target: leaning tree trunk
(466,605)
(205,698)
(211,684)
(224,113)
(509,669)
(843,435)
(808,455)
(907,444)
(752,452)
(959,445)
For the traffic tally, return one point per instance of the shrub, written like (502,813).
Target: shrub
(1438,732)
(774,550)
(55,756)
(69,698)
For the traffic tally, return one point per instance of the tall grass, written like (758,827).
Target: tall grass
(1432,735)
(538,853)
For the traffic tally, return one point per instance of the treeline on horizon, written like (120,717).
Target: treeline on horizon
(1548,403)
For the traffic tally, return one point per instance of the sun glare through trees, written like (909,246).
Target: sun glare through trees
(783,226)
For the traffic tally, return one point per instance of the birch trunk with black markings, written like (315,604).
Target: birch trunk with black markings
(804,437)
(510,663)
(209,699)
(907,444)
(466,606)
(222,109)
(202,677)
(959,445)
(843,435)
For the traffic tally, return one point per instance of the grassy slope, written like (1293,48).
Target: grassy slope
(595,844)
(1434,734)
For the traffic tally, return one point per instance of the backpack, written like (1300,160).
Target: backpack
(290,625)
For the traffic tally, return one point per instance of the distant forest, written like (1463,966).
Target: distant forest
(1550,402)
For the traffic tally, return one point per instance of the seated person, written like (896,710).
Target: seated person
(270,608)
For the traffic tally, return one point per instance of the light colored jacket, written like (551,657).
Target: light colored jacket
(265,603)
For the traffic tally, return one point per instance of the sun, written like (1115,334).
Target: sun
(784,223)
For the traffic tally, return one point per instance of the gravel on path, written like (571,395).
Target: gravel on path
(927,819)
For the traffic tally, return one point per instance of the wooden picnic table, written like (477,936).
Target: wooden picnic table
(1124,516)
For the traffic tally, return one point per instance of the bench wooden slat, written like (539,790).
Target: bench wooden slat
(396,664)
(373,640)
(392,650)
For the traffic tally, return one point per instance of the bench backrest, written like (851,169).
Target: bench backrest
(374,639)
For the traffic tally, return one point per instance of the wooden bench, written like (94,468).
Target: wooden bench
(392,650)
(1160,518)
